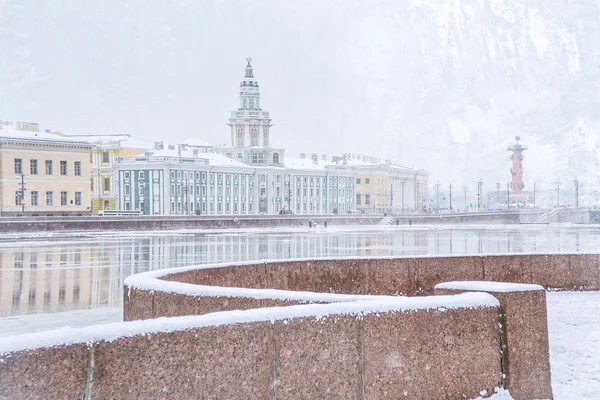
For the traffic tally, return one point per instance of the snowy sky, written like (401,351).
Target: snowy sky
(440,85)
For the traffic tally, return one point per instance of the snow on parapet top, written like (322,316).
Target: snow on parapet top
(110,332)
(489,286)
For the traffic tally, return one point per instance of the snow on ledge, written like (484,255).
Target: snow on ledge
(489,286)
(111,332)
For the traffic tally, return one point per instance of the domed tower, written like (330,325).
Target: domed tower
(250,126)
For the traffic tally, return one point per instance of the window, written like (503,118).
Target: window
(18,198)
(263,192)
(63,198)
(33,167)
(275,158)
(358,199)
(141,189)
(358,181)
(172,174)
(77,168)
(254,158)
(261,158)
(107,184)
(263,178)
(63,167)
(141,175)
(127,192)
(49,201)
(105,157)
(126,175)
(18,166)
(367,199)
(254,137)
(278,191)
(77,198)
(240,157)
(367,181)
(127,206)
(34,198)
(252,104)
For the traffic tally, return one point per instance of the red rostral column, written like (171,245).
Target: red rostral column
(517,166)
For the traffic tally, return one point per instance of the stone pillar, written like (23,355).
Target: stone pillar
(524,334)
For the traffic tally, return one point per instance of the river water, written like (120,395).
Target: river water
(71,271)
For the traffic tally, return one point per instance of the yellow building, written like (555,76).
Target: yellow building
(42,174)
(103,158)
(387,187)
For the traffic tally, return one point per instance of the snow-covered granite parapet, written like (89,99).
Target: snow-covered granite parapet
(486,286)
(110,332)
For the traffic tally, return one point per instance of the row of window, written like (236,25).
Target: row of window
(33,167)
(367,199)
(367,181)
(35,198)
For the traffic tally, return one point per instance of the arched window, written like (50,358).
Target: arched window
(245,106)
(261,158)
(254,137)
(275,158)
(252,104)
(240,136)
(266,136)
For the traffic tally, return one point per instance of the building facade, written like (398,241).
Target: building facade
(103,155)
(386,187)
(41,173)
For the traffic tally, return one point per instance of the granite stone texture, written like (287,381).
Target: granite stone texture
(525,332)
(174,305)
(137,304)
(584,271)
(210,304)
(434,270)
(392,277)
(514,268)
(431,354)
(222,362)
(318,358)
(48,373)
(348,277)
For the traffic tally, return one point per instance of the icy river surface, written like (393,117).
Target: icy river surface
(71,271)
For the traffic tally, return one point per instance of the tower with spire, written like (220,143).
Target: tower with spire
(250,127)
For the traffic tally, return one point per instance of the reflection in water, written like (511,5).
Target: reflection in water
(88,272)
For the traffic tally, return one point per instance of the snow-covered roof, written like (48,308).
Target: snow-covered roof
(213,158)
(195,142)
(12,133)
(125,140)
(302,163)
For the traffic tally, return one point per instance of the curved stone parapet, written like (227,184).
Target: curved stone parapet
(246,285)
(328,328)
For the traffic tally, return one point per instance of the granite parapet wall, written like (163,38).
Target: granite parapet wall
(355,276)
(302,352)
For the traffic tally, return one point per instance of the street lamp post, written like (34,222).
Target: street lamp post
(22,194)
(465,189)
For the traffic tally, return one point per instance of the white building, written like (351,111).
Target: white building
(248,178)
